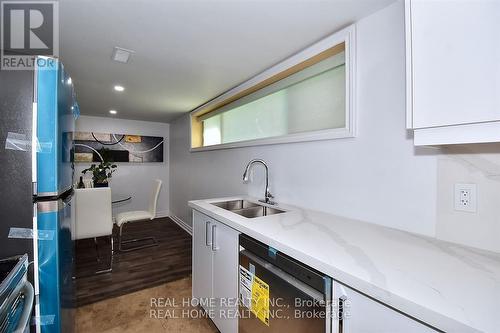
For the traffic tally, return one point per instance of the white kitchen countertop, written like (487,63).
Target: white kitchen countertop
(451,287)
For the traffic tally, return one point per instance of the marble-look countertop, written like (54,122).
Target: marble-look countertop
(451,287)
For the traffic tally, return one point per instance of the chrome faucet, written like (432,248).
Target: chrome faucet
(267,195)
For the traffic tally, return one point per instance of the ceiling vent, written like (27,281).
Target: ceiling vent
(121,55)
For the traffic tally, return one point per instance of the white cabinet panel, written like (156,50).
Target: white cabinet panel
(364,315)
(225,273)
(453,65)
(202,258)
(215,270)
(456,62)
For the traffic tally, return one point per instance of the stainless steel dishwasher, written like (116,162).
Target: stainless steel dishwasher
(280,294)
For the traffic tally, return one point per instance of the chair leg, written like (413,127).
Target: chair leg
(97,250)
(135,240)
(110,269)
(120,239)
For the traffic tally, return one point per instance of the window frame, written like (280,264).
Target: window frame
(346,36)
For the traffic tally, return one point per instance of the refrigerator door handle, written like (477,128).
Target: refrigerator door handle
(34,142)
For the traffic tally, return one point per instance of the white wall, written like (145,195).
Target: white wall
(376,177)
(133,179)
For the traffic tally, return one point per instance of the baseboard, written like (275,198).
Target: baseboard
(182,224)
(164,213)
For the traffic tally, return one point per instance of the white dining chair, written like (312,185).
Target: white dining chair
(139,215)
(93,218)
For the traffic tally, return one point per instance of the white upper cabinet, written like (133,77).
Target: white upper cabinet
(453,70)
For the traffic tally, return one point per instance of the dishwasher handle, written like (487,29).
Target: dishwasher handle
(341,297)
(306,289)
(341,303)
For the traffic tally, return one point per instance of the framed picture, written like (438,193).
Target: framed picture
(117,147)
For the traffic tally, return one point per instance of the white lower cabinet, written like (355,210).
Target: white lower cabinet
(202,259)
(362,314)
(215,285)
(215,270)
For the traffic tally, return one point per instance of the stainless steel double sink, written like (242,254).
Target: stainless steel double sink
(247,209)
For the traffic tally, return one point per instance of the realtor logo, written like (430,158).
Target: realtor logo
(28,29)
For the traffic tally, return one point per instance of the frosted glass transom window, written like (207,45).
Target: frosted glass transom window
(312,103)
(308,100)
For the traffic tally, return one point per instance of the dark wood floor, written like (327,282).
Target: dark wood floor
(135,270)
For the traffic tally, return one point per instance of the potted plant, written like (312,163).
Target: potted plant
(101,172)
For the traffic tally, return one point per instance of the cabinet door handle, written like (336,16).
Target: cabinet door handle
(207,231)
(341,313)
(214,239)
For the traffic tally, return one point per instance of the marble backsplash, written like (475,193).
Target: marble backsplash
(474,164)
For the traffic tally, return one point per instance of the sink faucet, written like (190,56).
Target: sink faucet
(267,195)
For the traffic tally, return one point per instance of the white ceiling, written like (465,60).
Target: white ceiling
(187,52)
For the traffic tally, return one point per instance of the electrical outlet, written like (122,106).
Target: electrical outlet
(466,197)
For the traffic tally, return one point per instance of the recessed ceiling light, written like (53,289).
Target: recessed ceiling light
(121,55)
(113,111)
(119,88)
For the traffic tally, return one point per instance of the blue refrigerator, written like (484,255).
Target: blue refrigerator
(39,110)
